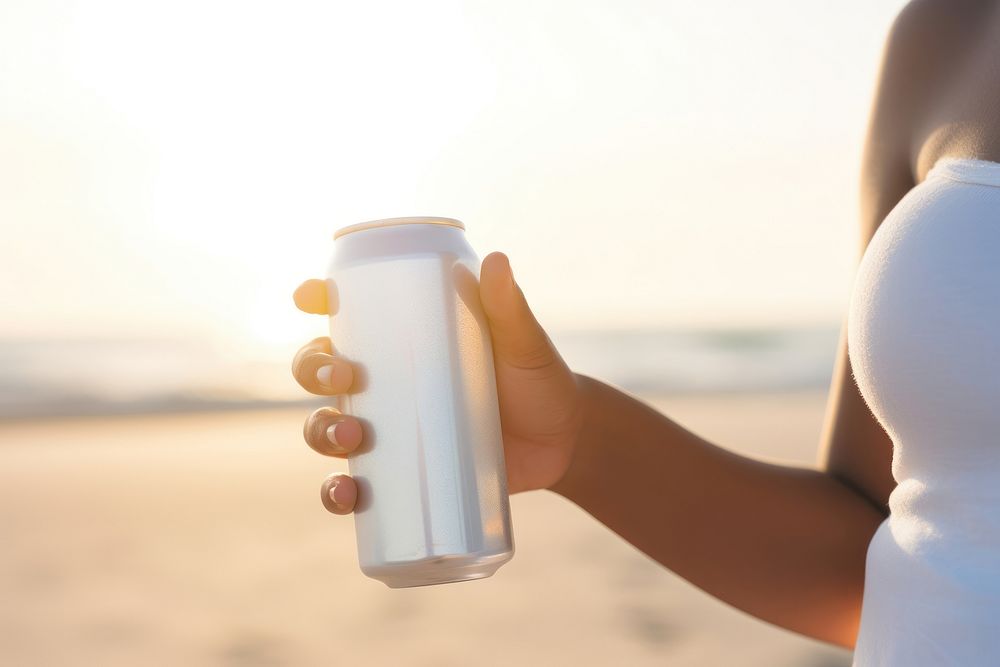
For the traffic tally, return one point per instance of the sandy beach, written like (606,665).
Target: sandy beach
(199,539)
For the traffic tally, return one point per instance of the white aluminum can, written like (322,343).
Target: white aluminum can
(432,488)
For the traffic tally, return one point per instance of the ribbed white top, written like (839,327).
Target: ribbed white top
(967,170)
(924,341)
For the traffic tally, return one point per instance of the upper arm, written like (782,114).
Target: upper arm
(855,448)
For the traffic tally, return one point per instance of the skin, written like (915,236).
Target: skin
(785,544)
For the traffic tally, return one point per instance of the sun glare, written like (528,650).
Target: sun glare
(213,175)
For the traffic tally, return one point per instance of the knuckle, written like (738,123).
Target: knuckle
(314,429)
(533,358)
(321,345)
(314,432)
(304,369)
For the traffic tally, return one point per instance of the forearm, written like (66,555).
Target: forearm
(785,544)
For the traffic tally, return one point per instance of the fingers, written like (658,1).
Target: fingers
(331,433)
(311,297)
(518,338)
(319,371)
(339,494)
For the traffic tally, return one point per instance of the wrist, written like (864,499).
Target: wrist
(582,465)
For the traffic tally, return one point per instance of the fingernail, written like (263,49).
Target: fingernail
(338,499)
(325,375)
(331,435)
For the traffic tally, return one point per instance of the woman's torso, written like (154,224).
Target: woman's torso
(924,334)
(924,339)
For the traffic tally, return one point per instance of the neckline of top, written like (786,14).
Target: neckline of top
(967,170)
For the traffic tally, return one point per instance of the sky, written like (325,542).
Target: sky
(173,170)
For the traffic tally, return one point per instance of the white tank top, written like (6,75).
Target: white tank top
(924,340)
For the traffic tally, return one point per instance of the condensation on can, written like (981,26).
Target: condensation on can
(432,488)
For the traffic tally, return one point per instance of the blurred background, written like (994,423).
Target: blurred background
(675,183)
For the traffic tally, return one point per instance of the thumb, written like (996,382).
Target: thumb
(518,338)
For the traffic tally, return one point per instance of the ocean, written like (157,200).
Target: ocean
(62,377)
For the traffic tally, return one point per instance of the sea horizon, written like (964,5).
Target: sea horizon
(62,377)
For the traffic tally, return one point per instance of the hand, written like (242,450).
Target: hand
(540,405)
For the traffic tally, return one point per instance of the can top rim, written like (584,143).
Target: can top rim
(393,222)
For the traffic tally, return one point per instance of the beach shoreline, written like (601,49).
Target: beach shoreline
(198,538)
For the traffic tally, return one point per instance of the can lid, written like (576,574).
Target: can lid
(393,222)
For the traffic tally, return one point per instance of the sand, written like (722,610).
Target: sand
(199,539)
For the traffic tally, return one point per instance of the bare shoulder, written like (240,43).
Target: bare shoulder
(926,51)
(932,41)
(923,24)
(925,45)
